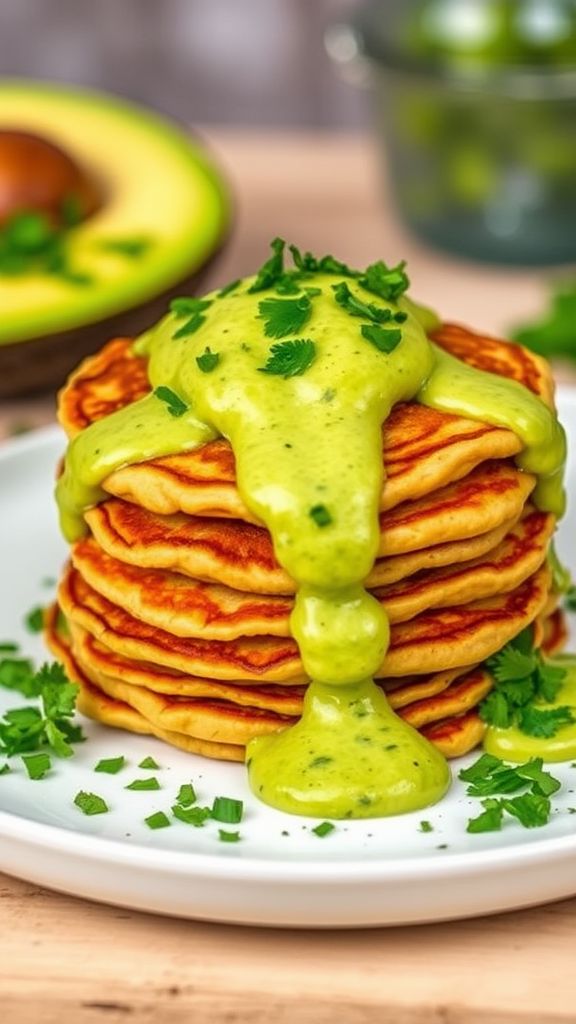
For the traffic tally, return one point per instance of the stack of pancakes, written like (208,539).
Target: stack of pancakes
(173,614)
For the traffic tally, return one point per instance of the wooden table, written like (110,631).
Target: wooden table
(63,961)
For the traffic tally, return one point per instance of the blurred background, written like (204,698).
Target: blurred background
(241,62)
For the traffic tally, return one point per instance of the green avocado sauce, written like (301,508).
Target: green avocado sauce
(512,744)
(308,452)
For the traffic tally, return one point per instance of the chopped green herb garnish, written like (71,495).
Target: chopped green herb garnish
(176,407)
(384,339)
(227,810)
(425,826)
(309,264)
(133,248)
(195,816)
(357,307)
(387,282)
(272,269)
(8,647)
(186,795)
(190,327)
(531,809)
(228,837)
(110,765)
(34,620)
(290,358)
(90,803)
(5,769)
(290,283)
(29,728)
(323,829)
(188,305)
(144,784)
(570,599)
(491,818)
(158,820)
(320,762)
(228,288)
(31,244)
(208,361)
(320,515)
(489,776)
(523,681)
(37,765)
(149,762)
(284,316)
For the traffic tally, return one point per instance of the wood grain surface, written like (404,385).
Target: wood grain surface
(64,961)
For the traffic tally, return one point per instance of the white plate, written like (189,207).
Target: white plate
(376,872)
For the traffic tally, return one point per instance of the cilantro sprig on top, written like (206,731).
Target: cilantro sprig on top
(31,728)
(524,683)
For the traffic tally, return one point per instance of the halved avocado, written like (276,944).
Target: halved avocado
(157,187)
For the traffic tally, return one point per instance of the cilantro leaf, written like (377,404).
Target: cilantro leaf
(384,340)
(37,765)
(290,358)
(195,816)
(490,820)
(323,829)
(229,288)
(190,327)
(531,809)
(176,406)
(387,282)
(307,263)
(186,795)
(158,820)
(512,664)
(357,307)
(144,784)
(110,765)
(284,316)
(26,729)
(544,723)
(150,763)
(18,674)
(208,361)
(189,306)
(34,620)
(90,803)
(272,269)
(320,515)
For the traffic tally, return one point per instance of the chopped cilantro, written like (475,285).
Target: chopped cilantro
(34,620)
(290,358)
(357,307)
(29,728)
(323,829)
(385,340)
(272,269)
(229,288)
(320,515)
(195,816)
(144,784)
(149,762)
(531,809)
(523,681)
(90,803)
(426,826)
(228,837)
(111,765)
(320,762)
(18,674)
(188,305)
(227,810)
(290,283)
(570,599)
(37,765)
(186,795)
(387,282)
(158,820)
(208,361)
(489,776)
(176,407)
(8,647)
(307,263)
(190,327)
(284,316)
(5,769)
(490,820)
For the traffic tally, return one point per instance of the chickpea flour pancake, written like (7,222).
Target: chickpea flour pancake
(304,517)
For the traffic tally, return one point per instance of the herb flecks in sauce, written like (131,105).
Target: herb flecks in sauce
(287,440)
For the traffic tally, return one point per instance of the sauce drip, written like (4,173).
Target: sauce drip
(302,444)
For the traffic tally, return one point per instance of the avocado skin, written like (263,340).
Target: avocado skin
(42,364)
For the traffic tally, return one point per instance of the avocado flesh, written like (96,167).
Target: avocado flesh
(158,184)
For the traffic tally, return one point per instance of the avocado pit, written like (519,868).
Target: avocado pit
(38,176)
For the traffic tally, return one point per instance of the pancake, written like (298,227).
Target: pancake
(423,449)
(187,607)
(241,556)
(431,642)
